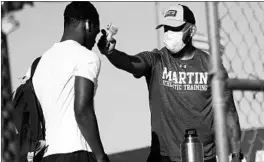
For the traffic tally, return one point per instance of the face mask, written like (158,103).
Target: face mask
(173,41)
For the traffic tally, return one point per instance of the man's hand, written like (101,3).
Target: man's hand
(105,46)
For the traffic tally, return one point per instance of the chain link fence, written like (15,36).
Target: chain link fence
(242,34)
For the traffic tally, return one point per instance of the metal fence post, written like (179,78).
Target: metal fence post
(157,12)
(218,83)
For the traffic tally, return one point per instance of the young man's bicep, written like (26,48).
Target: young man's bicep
(84,93)
(86,76)
(89,69)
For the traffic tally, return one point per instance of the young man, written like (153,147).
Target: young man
(179,88)
(65,83)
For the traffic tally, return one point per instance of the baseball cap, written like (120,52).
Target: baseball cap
(176,15)
(81,10)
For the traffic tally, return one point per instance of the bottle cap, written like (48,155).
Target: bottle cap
(190,132)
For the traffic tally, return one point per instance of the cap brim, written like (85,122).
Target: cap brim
(172,23)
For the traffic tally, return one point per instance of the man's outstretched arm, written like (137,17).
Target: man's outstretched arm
(136,65)
(132,64)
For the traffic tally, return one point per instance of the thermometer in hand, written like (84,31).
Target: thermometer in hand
(111,31)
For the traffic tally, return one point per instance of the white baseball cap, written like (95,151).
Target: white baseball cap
(176,15)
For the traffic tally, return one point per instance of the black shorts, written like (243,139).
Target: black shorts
(78,156)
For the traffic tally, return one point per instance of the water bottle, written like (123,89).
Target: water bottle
(191,147)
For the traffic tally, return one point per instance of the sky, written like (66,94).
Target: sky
(121,101)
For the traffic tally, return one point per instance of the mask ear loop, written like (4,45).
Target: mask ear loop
(193,30)
(188,33)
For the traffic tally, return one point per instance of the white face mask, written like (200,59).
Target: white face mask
(173,41)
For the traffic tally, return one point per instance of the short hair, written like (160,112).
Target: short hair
(77,11)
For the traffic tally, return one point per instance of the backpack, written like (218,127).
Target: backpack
(29,120)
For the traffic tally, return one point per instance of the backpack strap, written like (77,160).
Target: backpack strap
(32,71)
(34,66)
(39,109)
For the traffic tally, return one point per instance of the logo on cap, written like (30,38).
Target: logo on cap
(171,13)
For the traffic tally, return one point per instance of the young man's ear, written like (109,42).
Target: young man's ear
(87,25)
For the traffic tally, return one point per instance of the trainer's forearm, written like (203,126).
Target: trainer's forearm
(88,125)
(234,132)
(123,61)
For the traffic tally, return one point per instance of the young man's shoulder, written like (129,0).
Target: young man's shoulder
(86,55)
(76,50)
